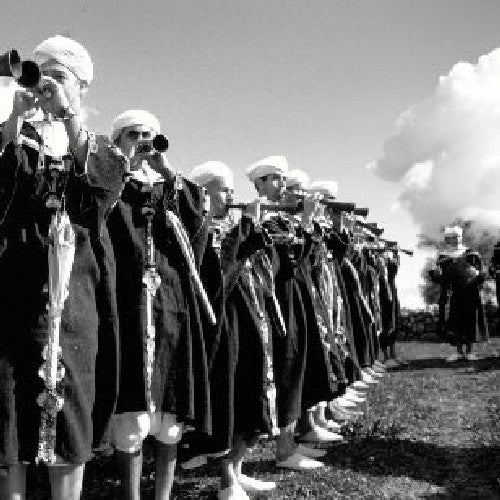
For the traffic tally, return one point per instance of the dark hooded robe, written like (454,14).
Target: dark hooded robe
(338,244)
(89,333)
(240,345)
(368,278)
(361,317)
(303,374)
(179,380)
(391,311)
(466,322)
(322,278)
(372,294)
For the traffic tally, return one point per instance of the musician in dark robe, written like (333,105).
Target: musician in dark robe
(372,288)
(459,271)
(51,167)
(391,311)
(339,242)
(363,270)
(361,317)
(163,365)
(237,270)
(341,408)
(300,386)
(327,285)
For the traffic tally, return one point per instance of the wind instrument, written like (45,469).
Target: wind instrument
(361,211)
(371,226)
(390,248)
(158,144)
(337,206)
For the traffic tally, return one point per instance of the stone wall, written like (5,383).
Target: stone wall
(422,325)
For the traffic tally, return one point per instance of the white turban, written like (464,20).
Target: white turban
(297,177)
(210,170)
(453,231)
(268,166)
(68,53)
(134,117)
(328,188)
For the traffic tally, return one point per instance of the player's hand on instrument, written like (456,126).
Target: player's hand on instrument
(156,160)
(25,104)
(252,210)
(310,208)
(51,97)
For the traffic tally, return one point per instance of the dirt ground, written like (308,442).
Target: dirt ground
(430,430)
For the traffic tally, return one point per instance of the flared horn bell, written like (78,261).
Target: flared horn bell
(160,143)
(26,73)
(30,74)
(362,211)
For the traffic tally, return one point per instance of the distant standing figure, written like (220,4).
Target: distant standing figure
(495,272)
(459,269)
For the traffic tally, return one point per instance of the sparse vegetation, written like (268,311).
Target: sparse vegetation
(431,430)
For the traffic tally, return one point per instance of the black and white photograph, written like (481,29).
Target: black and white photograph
(249,249)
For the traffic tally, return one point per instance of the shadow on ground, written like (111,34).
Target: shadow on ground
(481,365)
(459,471)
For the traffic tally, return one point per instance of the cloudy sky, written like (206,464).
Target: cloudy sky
(323,82)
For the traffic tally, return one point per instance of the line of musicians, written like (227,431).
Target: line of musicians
(190,322)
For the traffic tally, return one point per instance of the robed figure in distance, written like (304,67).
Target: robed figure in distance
(460,273)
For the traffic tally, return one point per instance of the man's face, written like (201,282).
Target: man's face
(292,191)
(271,186)
(67,79)
(219,194)
(453,240)
(131,137)
(320,210)
(336,217)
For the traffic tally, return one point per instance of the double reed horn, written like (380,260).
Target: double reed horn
(362,211)
(26,73)
(158,144)
(269,207)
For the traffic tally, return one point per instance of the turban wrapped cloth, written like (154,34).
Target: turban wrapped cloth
(69,53)
(453,231)
(327,188)
(297,177)
(131,118)
(267,166)
(210,170)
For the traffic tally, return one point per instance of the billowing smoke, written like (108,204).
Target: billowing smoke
(445,152)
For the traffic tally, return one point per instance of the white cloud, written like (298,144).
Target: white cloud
(409,278)
(395,207)
(445,151)
(419,175)
(444,157)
